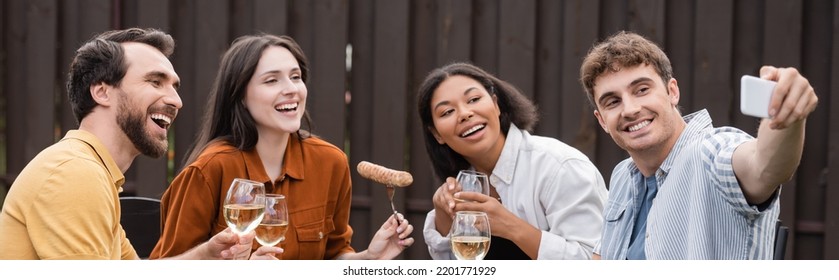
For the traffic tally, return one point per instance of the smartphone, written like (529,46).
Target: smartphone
(755,94)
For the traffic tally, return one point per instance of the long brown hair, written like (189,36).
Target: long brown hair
(226,118)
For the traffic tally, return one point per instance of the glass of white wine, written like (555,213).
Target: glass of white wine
(244,205)
(472,181)
(274,225)
(470,235)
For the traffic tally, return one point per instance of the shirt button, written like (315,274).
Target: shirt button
(320,235)
(647,236)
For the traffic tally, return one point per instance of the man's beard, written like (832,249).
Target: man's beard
(132,124)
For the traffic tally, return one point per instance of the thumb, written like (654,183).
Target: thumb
(226,236)
(389,223)
(769,73)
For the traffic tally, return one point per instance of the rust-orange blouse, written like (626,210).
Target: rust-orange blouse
(315,180)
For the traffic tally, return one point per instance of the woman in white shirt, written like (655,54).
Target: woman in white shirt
(546,198)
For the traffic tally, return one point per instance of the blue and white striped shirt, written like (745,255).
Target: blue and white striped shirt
(700,211)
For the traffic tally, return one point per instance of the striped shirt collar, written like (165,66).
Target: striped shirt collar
(696,123)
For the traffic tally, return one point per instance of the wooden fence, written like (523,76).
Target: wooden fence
(377,51)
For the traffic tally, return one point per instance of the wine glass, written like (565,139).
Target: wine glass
(274,225)
(244,205)
(470,235)
(473,181)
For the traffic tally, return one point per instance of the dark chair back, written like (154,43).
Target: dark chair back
(781,234)
(141,221)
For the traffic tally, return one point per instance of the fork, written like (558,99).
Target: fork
(390,190)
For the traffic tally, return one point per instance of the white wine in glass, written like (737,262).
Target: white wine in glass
(470,235)
(472,181)
(244,205)
(274,225)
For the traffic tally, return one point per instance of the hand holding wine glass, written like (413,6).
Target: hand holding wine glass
(244,205)
(274,225)
(470,235)
(472,181)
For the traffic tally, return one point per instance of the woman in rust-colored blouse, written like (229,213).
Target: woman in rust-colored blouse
(252,130)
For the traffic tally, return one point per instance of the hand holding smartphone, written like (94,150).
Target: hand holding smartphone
(755,94)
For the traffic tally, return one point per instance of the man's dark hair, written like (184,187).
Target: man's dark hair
(102,60)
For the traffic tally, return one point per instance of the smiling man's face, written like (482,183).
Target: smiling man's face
(148,99)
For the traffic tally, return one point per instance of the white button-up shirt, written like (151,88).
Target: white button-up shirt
(552,186)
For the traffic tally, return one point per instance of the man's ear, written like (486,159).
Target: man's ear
(600,120)
(436,135)
(102,94)
(673,90)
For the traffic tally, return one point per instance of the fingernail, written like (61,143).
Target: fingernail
(772,113)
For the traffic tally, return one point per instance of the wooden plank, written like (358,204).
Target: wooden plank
(327,56)
(71,39)
(831,217)
(270,16)
(713,87)
(151,175)
(425,34)
(360,119)
(679,43)
(208,41)
(300,23)
(424,38)
(548,93)
(15,48)
(454,27)
(612,16)
(189,117)
(241,18)
(144,14)
(80,21)
(782,25)
(748,55)
(516,50)
(390,67)
(212,40)
(579,32)
(40,57)
(422,60)
(485,34)
(647,17)
(4,134)
(816,45)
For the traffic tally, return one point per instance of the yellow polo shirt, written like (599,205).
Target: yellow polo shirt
(65,205)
